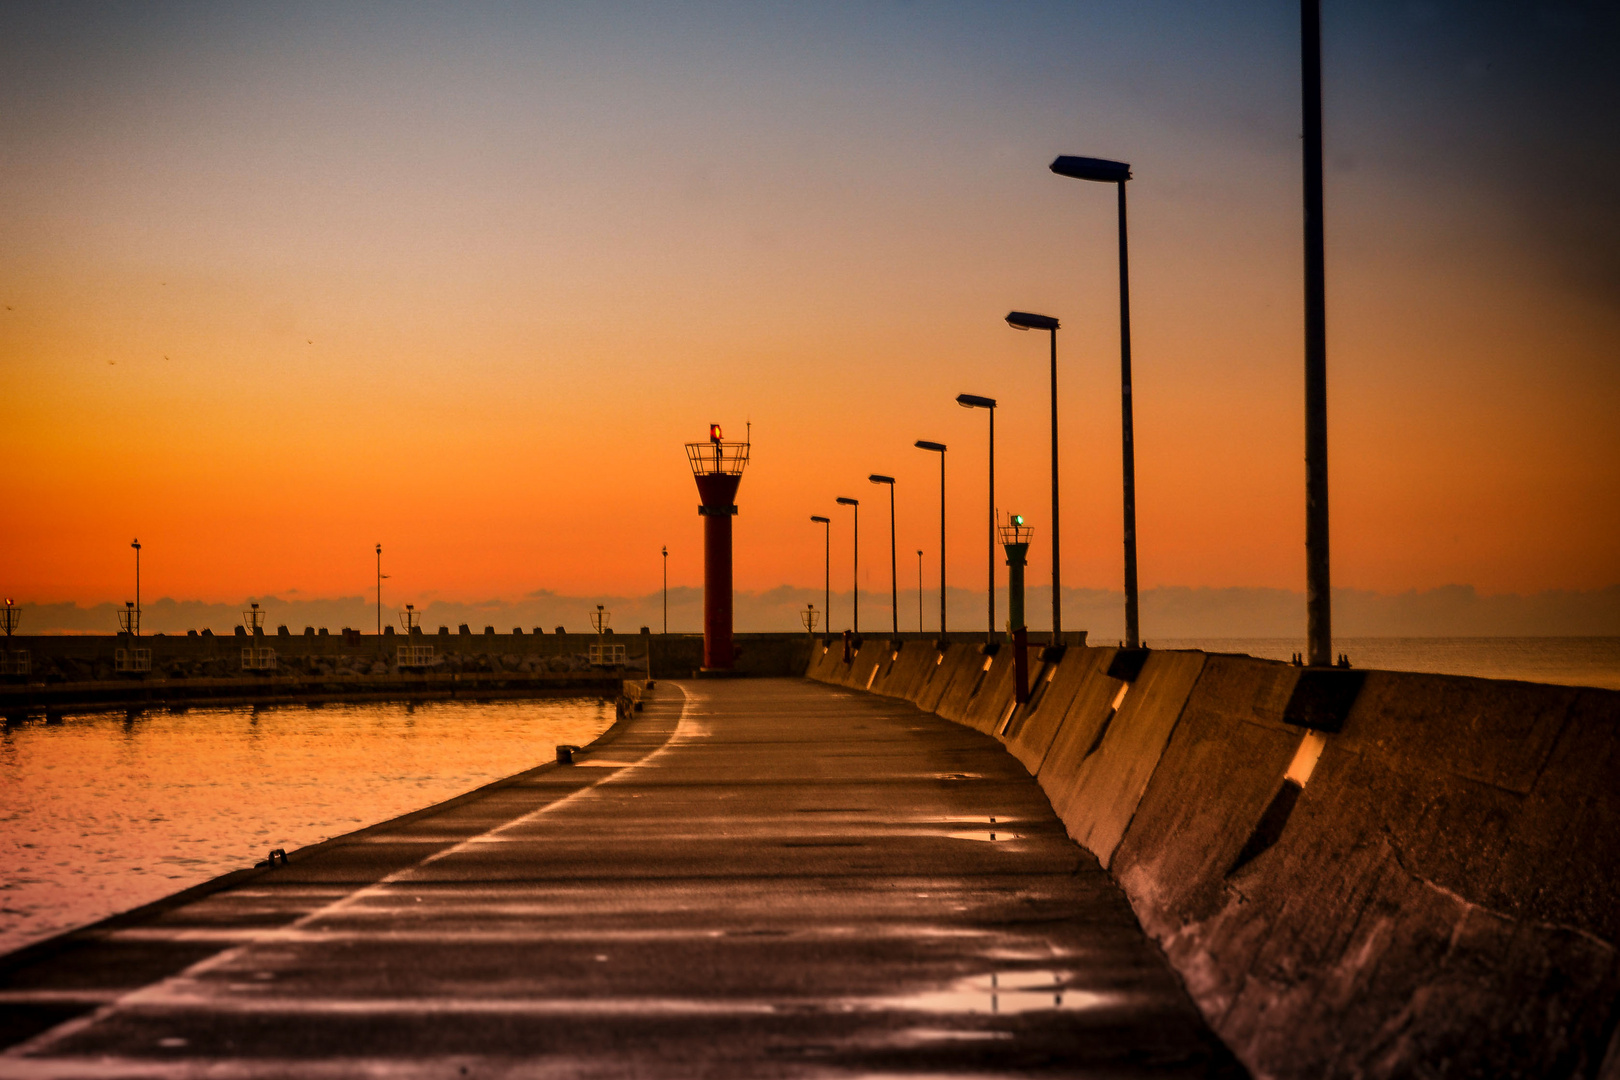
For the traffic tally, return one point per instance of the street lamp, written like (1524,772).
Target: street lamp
(939,448)
(1117,173)
(974,401)
(665,553)
(826,570)
(1318,581)
(919,591)
(380,576)
(856,574)
(135,612)
(894,580)
(1023,320)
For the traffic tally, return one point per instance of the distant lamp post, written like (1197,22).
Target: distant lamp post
(380,576)
(1023,320)
(939,448)
(1117,173)
(894,578)
(855,621)
(132,620)
(974,401)
(666,588)
(826,569)
(129,620)
(809,615)
(919,591)
(1015,539)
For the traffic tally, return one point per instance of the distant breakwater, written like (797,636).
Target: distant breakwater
(49,671)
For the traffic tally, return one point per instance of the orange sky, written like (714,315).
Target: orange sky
(464,290)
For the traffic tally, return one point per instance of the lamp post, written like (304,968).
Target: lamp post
(1117,173)
(666,587)
(919,591)
(894,577)
(1023,320)
(1318,582)
(135,621)
(856,565)
(380,576)
(939,448)
(974,401)
(826,570)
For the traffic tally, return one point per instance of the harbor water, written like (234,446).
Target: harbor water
(101,812)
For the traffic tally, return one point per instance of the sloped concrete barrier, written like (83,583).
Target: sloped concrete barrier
(1428,890)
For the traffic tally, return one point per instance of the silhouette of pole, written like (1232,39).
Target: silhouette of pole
(135,623)
(826,571)
(939,448)
(1023,320)
(379,590)
(974,401)
(665,553)
(919,591)
(1117,173)
(856,566)
(1318,580)
(894,574)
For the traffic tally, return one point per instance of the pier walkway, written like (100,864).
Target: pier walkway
(751,878)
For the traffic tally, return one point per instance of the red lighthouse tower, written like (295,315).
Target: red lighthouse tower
(718,467)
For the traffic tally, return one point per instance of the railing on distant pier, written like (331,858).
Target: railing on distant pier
(258,659)
(415,656)
(607,654)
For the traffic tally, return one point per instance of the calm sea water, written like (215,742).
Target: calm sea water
(104,811)
(1571,661)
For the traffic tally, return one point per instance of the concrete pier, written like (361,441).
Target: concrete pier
(756,878)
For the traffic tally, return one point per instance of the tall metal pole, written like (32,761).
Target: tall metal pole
(379,590)
(666,588)
(1318,583)
(1057,579)
(919,591)
(894,573)
(136,629)
(826,576)
(942,544)
(990,635)
(855,504)
(1133,635)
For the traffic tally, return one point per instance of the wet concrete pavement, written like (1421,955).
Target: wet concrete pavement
(752,878)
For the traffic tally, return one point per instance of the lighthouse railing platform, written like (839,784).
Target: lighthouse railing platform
(717,458)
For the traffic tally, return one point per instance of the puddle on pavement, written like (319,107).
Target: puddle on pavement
(1006,993)
(994,836)
(600,763)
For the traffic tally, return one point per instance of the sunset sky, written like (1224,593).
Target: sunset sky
(283,281)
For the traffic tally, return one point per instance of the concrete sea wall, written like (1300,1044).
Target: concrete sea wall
(1378,874)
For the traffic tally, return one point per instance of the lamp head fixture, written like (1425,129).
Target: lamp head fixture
(847,502)
(819,520)
(974,401)
(878,478)
(1024,320)
(1101,170)
(924,444)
